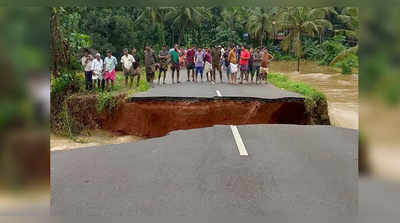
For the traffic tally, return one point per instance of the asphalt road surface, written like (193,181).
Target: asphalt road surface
(208,89)
(223,170)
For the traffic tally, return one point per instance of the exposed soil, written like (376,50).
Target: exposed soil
(156,116)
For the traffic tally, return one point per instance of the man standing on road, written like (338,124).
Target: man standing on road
(110,62)
(244,63)
(250,66)
(199,62)
(207,65)
(127,61)
(225,63)
(265,61)
(190,62)
(232,64)
(175,63)
(256,64)
(136,69)
(163,58)
(216,56)
(149,63)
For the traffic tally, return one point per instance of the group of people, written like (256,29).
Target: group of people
(240,64)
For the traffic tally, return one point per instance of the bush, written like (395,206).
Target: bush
(346,67)
(331,49)
(66,83)
(106,102)
(312,50)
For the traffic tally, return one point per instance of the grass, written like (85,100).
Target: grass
(283,82)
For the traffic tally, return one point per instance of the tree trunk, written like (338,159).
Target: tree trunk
(298,64)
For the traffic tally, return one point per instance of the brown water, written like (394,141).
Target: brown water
(341,90)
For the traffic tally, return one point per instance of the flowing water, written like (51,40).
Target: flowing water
(340,90)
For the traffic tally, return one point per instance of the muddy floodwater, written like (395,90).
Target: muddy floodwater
(340,90)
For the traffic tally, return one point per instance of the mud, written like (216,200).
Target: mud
(157,116)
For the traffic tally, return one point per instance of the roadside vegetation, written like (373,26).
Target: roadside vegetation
(71,104)
(315,101)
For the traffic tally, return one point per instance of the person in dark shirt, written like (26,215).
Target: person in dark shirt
(136,68)
(216,56)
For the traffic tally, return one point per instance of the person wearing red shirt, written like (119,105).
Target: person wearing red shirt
(244,63)
(190,62)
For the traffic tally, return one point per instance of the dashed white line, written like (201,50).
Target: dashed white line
(236,136)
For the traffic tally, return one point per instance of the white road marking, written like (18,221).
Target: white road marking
(236,136)
(239,141)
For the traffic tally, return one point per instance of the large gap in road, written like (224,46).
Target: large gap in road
(157,116)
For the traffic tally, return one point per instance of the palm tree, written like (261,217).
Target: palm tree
(350,17)
(300,21)
(185,18)
(229,23)
(260,22)
(154,16)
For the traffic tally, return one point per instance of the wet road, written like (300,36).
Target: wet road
(289,170)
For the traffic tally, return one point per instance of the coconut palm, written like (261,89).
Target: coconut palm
(350,17)
(155,17)
(260,22)
(298,22)
(185,18)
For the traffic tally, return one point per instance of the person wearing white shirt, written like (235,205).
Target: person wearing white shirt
(97,67)
(86,62)
(127,61)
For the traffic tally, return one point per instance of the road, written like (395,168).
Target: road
(286,169)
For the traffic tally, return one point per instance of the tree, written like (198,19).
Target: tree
(260,22)
(298,22)
(183,19)
(350,17)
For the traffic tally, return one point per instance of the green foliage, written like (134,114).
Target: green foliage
(346,67)
(312,49)
(67,83)
(331,49)
(106,102)
(283,82)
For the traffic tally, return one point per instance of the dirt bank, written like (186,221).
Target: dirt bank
(155,117)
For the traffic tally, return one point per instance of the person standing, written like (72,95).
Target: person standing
(98,71)
(110,62)
(163,58)
(207,64)
(199,62)
(136,68)
(190,62)
(232,64)
(225,62)
(216,57)
(244,63)
(149,63)
(127,61)
(265,61)
(87,67)
(175,63)
(257,64)
(250,66)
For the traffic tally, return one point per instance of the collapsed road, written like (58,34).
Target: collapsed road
(279,169)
